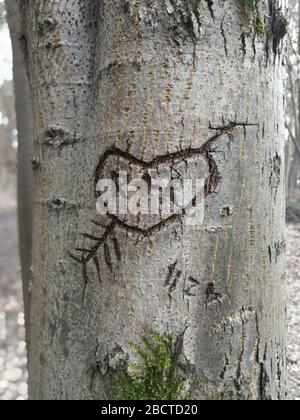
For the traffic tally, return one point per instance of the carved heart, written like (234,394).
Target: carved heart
(190,164)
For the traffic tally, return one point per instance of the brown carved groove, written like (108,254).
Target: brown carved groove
(212,181)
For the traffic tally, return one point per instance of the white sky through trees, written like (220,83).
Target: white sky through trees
(5,53)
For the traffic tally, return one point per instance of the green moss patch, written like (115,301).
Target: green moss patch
(157,373)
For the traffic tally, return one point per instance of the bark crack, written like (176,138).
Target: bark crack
(244,45)
(210,5)
(211,295)
(57,137)
(224,36)
(277,29)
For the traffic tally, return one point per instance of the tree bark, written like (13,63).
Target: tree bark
(24,114)
(116,83)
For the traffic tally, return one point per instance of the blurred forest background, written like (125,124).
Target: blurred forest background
(12,350)
(293,114)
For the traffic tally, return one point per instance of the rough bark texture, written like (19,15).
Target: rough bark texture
(15,13)
(139,80)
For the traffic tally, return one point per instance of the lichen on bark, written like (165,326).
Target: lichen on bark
(253,13)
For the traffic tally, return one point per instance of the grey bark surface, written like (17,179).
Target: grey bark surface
(133,82)
(24,116)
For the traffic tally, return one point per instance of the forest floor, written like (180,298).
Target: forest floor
(13,373)
(293,279)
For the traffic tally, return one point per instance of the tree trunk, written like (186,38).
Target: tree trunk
(154,84)
(25,126)
(289,155)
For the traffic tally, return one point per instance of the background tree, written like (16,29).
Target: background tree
(25,140)
(7,135)
(157,84)
(293,104)
(2,13)
(7,124)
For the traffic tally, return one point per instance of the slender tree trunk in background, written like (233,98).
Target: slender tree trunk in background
(298,85)
(292,169)
(122,82)
(289,154)
(25,126)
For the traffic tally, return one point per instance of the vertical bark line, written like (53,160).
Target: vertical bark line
(224,36)
(139,87)
(15,15)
